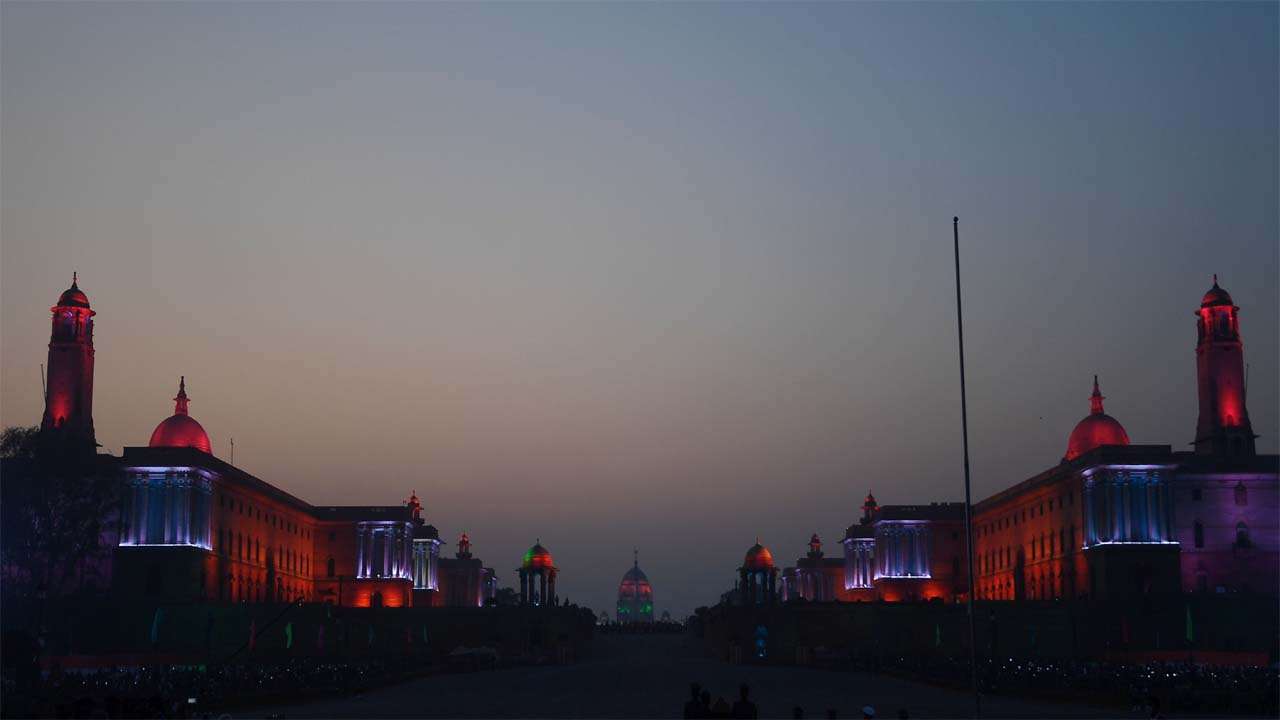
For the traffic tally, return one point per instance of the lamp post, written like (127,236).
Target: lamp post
(968,502)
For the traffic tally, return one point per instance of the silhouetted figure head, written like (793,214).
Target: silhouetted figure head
(797,712)
(744,691)
(902,714)
(694,690)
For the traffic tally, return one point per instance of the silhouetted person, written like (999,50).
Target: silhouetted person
(693,708)
(744,708)
(721,708)
(902,714)
(797,713)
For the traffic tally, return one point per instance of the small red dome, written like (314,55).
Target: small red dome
(1216,296)
(758,558)
(538,557)
(181,431)
(1096,430)
(73,296)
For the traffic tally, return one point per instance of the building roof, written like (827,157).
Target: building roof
(149,457)
(180,429)
(758,558)
(538,557)
(1096,429)
(1216,295)
(73,296)
(932,511)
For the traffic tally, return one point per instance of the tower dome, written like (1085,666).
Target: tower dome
(538,557)
(635,595)
(180,429)
(1215,296)
(758,558)
(1096,429)
(73,296)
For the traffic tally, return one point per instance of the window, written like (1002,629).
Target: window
(1199,533)
(331,536)
(1197,494)
(329,567)
(1242,535)
(1242,494)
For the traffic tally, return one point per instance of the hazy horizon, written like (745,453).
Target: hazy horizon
(666,276)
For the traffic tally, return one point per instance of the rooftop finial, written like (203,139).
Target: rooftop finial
(75,278)
(1095,400)
(180,402)
(1215,279)
(635,557)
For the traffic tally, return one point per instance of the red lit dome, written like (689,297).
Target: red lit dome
(1096,430)
(180,429)
(635,584)
(1216,296)
(73,296)
(538,557)
(758,558)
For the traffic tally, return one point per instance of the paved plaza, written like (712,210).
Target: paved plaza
(648,676)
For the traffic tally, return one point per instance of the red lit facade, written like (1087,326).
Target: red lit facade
(68,407)
(1111,520)
(195,528)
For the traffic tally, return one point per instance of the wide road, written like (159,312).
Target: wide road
(648,676)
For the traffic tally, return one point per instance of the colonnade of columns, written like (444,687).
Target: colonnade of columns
(384,550)
(168,509)
(1125,506)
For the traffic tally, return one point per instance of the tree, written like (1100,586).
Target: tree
(56,515)
(19,442)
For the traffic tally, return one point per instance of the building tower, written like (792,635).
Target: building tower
(1223,427)
(68,399)
(538,577)
(635,595)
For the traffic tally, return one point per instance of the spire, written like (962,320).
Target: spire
(1215,279)
(635,557)
(180,402)
(1095,400)
(75,278)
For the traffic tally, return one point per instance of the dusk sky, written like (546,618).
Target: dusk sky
(667,276)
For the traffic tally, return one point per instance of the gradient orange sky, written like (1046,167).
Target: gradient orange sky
(656,275)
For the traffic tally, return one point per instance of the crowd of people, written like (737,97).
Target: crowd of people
(640,628)
(189,692)
(1156,686)
(700,705)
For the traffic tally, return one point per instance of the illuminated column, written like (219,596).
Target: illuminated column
(361,553)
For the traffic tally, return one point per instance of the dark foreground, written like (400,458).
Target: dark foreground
(648,676)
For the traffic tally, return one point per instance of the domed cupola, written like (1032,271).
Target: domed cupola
(180,429)
(635,595)
(1096,430)
(1216,296)
(538,557)
(758,558)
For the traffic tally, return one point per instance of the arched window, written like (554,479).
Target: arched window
(1199,533)
(329,567)
(1242,494)
(1242,535)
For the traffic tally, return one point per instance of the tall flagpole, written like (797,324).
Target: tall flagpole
(968,502)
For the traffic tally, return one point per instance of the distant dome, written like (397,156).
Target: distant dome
(538,557)
(73,296)
(1216,296)
(180,429)
(758,558)
(1096,429)
(635,595)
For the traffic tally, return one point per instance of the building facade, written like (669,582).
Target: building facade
(193,527)
(1109,520)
